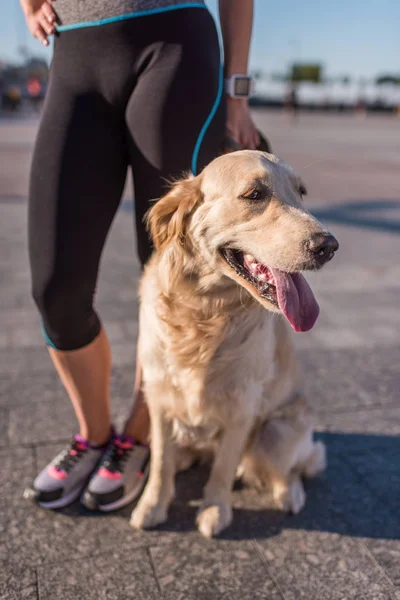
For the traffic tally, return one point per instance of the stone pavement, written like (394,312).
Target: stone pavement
(345,544)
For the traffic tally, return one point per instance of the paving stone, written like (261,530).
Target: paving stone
(208,569)
(26,390)
(17,469)
(115,331)
(32,536)
(15,296)
(40,410)
(53,420)
(367,420)
(324,566)
(50,420)
(17,361)
(117,310)
(124,354)
(379,466)
(3,427)
(116,575)
(337,338)
(339,380)
(132,329)
(387,555)
(17,583)
(4,339)
(26,337)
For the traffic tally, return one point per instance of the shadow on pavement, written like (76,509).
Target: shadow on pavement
(366,214)
(357,496)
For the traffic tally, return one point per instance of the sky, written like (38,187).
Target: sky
(349,37)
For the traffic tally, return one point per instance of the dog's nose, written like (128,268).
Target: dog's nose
(323,246)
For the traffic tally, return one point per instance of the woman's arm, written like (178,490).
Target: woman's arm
(40,18)
(236,17)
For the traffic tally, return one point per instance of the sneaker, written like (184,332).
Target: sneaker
(62,481)
(120,477)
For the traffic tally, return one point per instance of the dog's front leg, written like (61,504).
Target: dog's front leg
(215,513)
(153,506)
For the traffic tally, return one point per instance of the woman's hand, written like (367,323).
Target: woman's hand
(239,124)
(40,18)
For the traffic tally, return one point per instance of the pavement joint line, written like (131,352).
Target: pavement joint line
(93,555)
(36,583)
(384,574)
(349,409)
(35,460)
(153,568)
(6,412)
(261,555)
(42,444)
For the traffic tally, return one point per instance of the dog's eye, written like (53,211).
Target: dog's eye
(253,195)
(302,190)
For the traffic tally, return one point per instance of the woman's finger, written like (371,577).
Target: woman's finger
(40,34)
(48,27)
(233,134)
(248,139)
(256,138)
(48,12)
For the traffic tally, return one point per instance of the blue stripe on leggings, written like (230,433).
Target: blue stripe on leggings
(207,122)
(47,339)
(141,13)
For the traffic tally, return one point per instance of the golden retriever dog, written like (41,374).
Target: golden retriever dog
(218,365)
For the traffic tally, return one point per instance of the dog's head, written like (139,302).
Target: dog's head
(243,218)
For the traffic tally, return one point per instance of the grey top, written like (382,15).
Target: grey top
(90,12)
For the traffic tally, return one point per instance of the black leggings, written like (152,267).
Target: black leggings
(144,93)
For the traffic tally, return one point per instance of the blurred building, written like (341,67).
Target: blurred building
(25,81)
(342,94)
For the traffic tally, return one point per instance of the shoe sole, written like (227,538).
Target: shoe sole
(64,500)
(133,494)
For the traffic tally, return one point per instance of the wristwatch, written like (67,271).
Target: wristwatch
(238,86)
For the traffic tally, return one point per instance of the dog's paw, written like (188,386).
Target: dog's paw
(146,515)
(292,498)
(212,519)
(316,463)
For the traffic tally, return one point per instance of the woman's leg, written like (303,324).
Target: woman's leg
(137,425)
(85,374)
(77,179)
(176,124)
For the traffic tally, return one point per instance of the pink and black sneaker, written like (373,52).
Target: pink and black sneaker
(63,480)
(120,476)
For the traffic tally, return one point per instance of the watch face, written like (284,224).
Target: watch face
(242,86)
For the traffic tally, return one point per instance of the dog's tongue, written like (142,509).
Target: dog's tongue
(296,300)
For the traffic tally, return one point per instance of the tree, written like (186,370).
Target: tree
(306,72)
(382,79)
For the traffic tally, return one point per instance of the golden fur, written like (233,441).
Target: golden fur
(218,365)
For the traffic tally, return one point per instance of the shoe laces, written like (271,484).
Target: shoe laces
(116,457)
(71,456)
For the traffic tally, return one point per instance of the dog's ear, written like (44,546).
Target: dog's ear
(167,219)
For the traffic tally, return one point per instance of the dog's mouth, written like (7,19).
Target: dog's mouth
(288,292)
(252,271)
